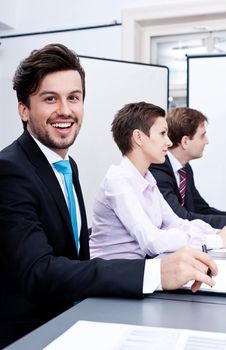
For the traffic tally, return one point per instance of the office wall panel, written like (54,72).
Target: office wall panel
(207,93)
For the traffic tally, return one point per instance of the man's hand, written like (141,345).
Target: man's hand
(185,265)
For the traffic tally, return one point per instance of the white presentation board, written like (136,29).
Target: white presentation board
(207,93)
(110,84)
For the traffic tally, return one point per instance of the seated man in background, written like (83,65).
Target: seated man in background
(174,178)
(44,250)
(131,219)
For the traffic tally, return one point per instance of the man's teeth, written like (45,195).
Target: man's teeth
(61,125)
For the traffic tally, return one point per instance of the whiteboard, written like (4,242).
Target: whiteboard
(110,84)
(207,93)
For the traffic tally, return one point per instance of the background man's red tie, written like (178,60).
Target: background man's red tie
(182,185)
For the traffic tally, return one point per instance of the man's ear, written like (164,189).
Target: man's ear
(23,111)
(137,137)
(184,142)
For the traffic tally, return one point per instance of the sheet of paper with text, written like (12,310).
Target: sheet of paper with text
(87,335)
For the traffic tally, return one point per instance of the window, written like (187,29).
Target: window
(165,34)
(171,51)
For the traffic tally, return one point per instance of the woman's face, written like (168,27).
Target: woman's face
(155,146)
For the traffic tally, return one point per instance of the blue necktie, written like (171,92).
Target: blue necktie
(64,167)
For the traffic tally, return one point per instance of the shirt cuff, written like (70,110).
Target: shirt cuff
(152,276)
(214,241)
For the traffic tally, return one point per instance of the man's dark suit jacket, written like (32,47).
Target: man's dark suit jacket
(40,272)
(195,207)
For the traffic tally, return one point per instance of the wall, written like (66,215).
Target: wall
(207,86)
(28,16)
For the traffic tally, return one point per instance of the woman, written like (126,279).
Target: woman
(131,219)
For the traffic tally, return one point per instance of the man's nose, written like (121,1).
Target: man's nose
(63,108)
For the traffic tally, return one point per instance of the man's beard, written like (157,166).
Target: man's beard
(45,138)
(49,142)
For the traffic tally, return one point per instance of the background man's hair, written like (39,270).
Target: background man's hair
(183,121)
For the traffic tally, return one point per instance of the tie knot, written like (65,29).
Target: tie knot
(63,166)
(182,172)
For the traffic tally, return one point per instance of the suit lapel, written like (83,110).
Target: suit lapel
(170,170)
(47,176)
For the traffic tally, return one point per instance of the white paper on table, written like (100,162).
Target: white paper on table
(220,279)
(87,335)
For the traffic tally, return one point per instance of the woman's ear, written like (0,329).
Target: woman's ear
(137,137)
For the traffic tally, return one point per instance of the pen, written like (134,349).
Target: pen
(204,249)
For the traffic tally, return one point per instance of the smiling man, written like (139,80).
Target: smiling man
(187,131)
(54,113)
(44,250)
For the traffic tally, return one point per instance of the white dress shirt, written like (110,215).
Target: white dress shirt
(176,165)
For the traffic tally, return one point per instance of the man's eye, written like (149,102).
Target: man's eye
(73,98)
(50,99)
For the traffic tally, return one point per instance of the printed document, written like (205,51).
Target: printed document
(111,336)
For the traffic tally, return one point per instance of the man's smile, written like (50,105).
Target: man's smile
(62,125)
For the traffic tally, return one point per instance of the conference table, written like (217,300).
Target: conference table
(181,309)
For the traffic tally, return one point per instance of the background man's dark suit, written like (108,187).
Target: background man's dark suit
(195,207)
(40,272)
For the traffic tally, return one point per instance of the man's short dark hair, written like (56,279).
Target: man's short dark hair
(31,71)
(183,121)
(133,116)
